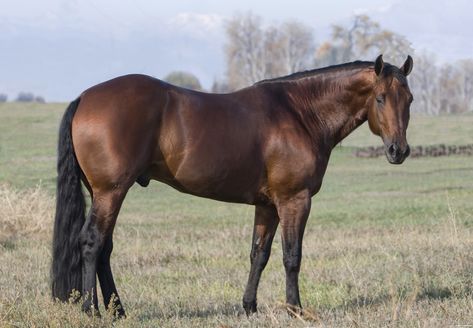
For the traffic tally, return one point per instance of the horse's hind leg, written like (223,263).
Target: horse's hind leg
(266,223)
(107,284)
(95,238)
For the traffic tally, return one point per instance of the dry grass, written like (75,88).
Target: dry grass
(193,275)
(405,276)
(384,247)
(24,212)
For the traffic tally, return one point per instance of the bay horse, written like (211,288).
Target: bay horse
(267,145)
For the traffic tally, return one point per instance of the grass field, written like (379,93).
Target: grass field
(385,245)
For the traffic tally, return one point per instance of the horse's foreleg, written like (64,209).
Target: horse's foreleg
(293,213)
(97,228)
(266,223)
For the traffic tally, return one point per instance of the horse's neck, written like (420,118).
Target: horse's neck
(331,107)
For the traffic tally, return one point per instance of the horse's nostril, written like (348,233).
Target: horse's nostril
(394,150)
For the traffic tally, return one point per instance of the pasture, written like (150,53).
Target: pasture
(384,246)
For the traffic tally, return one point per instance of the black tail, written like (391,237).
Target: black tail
(66,271)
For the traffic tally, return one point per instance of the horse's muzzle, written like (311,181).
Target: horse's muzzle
(395,154)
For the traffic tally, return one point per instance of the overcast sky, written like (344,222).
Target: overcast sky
(58,48)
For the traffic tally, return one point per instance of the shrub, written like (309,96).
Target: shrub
(183,79)
(25,97)
(40,100)
(30,97)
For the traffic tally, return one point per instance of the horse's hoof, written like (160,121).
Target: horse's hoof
(250,307)
(294,310)
(119,314)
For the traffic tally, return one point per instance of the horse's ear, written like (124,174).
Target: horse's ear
(378,65)
(407,67)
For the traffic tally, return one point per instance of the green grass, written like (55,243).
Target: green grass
(385,245)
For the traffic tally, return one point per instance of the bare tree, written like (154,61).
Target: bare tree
(245,51)
(298,46)
(274,44)
(465,68)
(254,53)
(424,85)
(442,90)
(449,88)
(456,87)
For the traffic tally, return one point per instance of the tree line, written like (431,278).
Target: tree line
(24,97)
(254,52)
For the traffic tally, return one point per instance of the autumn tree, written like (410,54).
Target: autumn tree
(363,39)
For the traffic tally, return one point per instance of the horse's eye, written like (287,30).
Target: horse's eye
(380,99)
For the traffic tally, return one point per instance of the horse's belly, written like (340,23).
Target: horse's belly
(235,184)
(224,181)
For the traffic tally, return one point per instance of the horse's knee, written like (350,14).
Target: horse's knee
(262,258)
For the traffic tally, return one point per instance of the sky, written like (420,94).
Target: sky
(58,48)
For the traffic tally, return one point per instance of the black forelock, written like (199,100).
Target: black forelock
(394,71)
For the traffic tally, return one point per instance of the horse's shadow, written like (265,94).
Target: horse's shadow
(428,293)
(236,309)
(435,293)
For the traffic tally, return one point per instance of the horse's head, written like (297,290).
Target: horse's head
(388,113)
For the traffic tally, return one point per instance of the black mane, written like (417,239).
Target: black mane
(387,70)
(312,72)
